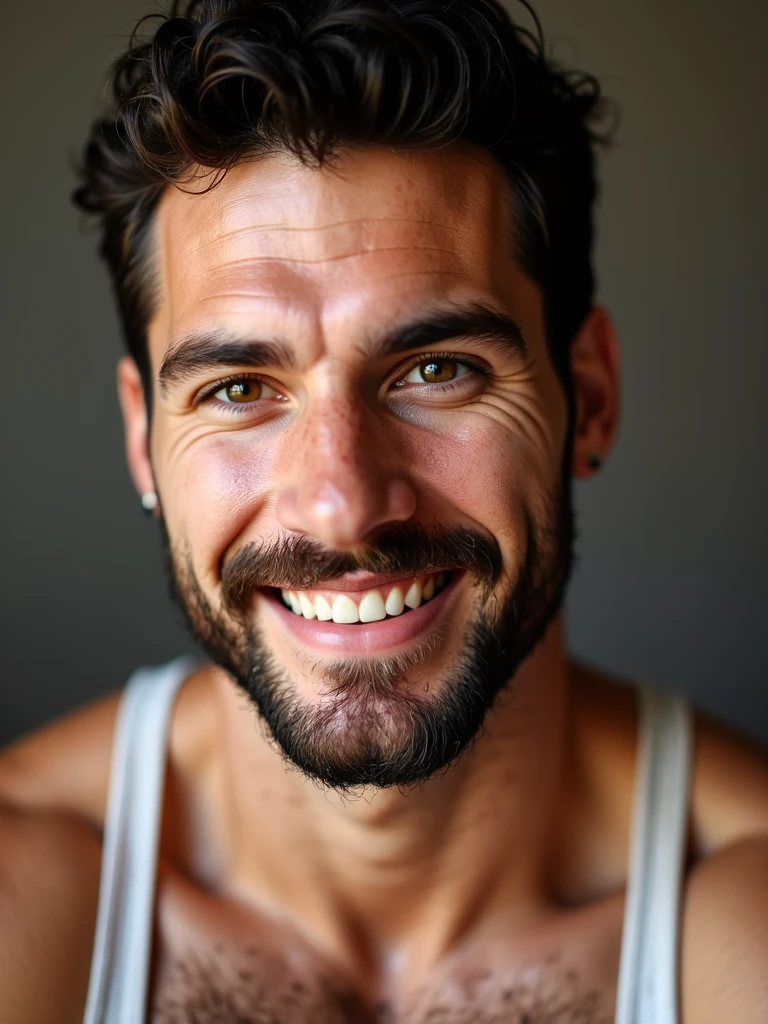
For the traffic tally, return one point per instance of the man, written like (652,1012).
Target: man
(351,246)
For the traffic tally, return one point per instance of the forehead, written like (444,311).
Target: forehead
(376,231)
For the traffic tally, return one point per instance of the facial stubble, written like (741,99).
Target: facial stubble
(386,720)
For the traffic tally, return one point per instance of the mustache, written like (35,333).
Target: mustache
(298,563)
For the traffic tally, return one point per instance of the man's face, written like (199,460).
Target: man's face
(355,417)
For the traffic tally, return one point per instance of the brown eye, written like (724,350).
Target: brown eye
(240,392)
(437,371)
(243,391)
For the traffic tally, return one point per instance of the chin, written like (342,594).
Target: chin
(384,720)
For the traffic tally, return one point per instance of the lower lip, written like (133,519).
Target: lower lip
(368,637)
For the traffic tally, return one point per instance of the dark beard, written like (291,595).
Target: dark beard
(369,728)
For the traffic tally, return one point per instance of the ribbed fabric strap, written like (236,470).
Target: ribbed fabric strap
(117,991)
(648,975)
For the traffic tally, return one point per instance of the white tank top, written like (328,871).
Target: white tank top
(648,972)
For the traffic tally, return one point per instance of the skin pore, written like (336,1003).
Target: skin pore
(293,419)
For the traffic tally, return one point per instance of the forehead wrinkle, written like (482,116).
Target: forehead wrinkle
(266,296)
(310,245)
(414,274)
(321,282)
(255,260)
(256,229)
(290,299)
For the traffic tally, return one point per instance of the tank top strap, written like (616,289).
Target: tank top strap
(117,990)
(648,974)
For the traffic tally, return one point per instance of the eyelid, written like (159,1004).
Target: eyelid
(478,365)
(209,390)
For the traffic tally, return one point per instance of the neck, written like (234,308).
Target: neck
(402,872)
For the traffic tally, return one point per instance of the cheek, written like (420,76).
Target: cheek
(483,473)
(480,460)
(221,489)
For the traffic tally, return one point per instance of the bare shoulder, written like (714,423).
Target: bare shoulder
(725,919)
(729,792)
(49,872)
(725,936)
(53,786)
(730,787)
(63,766)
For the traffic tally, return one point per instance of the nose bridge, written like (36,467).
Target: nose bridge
(336,436)
(342,470)
(343,481)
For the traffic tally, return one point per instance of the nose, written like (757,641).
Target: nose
(344,481)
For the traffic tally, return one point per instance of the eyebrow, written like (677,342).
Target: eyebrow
(475,321)
(196,352)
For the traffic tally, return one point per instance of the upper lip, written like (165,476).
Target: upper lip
(360,581)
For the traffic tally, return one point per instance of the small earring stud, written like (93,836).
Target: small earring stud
(594,461)
(149,502)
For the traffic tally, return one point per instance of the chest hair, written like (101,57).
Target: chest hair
(208,992)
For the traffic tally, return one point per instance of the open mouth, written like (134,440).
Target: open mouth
(384,602)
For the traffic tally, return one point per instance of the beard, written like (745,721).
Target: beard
(380,721)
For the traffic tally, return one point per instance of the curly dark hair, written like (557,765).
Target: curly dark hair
(220,80)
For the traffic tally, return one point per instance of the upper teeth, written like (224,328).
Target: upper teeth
(366,606)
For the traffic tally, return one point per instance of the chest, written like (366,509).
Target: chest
(235,968)
(199,993)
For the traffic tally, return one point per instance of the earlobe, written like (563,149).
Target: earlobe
(135,422)
(595,371)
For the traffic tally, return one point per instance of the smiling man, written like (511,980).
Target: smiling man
(351,245)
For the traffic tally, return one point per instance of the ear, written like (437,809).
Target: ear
(595,371)
(135,422)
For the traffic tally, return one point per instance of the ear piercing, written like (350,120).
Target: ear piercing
(149,502)
(594,461)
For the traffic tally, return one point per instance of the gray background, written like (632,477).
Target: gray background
(670,584)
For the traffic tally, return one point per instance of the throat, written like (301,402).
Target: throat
(400,866)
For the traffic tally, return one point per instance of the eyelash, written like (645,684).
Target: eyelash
(235,408)
(231,408)
(450,357)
